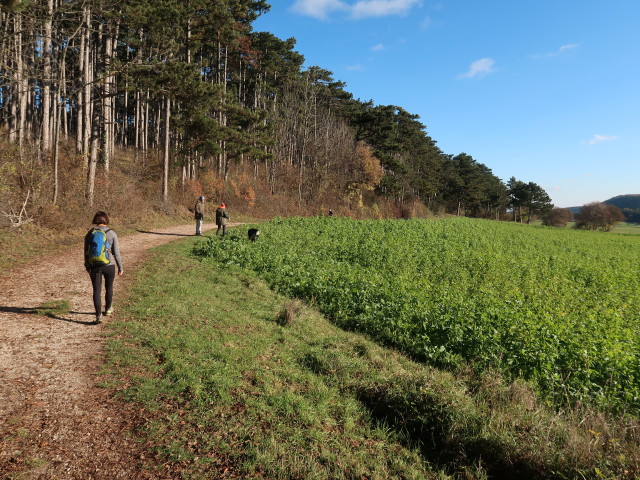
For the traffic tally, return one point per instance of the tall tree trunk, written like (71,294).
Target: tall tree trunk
(125,117)
(13,88)
(5,48)
(65,114)
(93,160)
(22,82)
(158,126)
(107,121)
(111,36)
(79,113)
(56,154)
(46,81)
(86,90)
(167,142)
(59,107)
(30,50)
(145,126)
(137,121)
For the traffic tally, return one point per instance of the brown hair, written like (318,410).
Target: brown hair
(101,217)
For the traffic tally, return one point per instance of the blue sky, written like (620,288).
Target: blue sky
(546,91)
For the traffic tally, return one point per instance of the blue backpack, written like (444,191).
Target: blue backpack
(98,248)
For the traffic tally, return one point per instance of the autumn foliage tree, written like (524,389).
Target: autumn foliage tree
(364,173)
(598,216)
(557,217)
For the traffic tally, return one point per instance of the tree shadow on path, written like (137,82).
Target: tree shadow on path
(39,311)
(169,234)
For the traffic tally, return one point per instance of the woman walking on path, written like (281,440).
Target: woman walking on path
(221,219)
(100,245)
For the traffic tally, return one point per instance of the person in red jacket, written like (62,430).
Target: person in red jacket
(221,219)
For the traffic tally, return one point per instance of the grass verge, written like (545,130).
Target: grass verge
(235,380)
(224,387)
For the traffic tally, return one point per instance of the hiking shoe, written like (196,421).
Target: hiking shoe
(98,318)
(108,312)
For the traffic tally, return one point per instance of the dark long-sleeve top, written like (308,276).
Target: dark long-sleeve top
(221,216)
(112,245)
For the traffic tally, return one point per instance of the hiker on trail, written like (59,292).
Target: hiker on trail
(221,219)
(100,249)
(199,215)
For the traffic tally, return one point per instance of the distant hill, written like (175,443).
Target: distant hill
(629,204)
(631,201)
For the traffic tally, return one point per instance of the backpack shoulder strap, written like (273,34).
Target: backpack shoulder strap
(107,244)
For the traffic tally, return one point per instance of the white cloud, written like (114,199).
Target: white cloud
(377,48)
(559,51)
(318,8)
(601,138)
(479,68)
(568,47)
(361,9)
(355,68)
(426,23)
(381,8)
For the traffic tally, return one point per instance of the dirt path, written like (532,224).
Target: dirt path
(55,423)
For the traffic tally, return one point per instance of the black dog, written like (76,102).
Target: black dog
(253,234)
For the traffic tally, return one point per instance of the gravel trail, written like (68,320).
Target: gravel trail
(55,421)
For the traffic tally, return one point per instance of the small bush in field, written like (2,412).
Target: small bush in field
(289,313)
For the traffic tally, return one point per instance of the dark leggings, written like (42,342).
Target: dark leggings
(109,274)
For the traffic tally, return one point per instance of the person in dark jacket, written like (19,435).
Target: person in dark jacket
(102,266)
(221,219)
(199,214)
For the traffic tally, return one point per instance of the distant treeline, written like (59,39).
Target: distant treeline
(194,82)
(631,216)
(628,204)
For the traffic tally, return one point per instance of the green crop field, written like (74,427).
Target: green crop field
(560,308)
